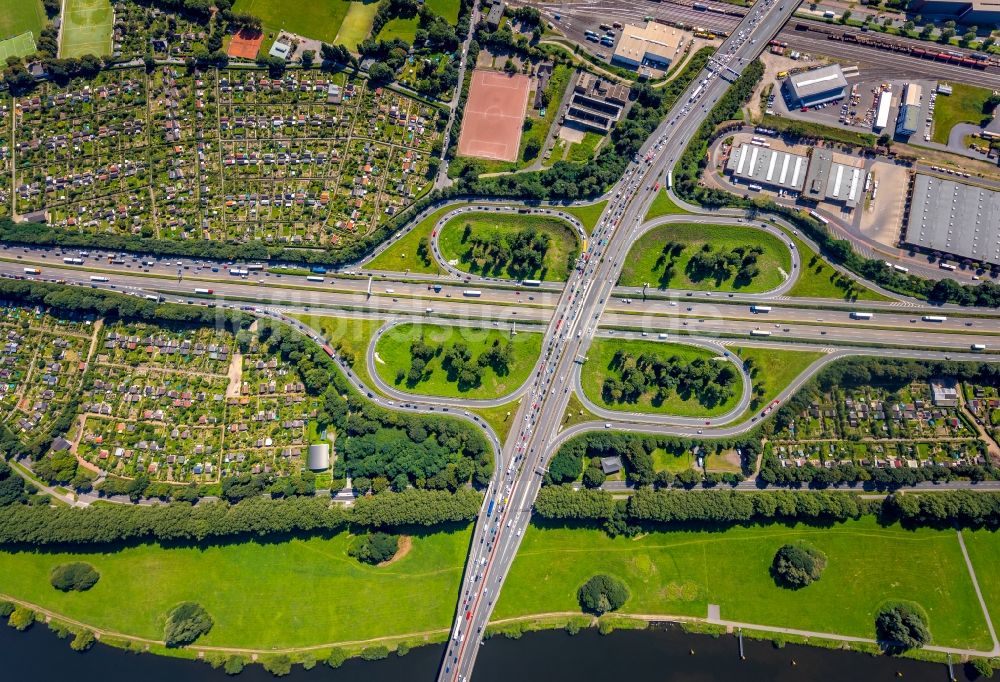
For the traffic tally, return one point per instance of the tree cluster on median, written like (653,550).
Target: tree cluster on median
(520,253)
(457,361)
(709,382)
(259,517)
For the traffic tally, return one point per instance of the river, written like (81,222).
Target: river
(660,655)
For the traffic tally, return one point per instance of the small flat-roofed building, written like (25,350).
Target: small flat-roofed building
(333,94)
(318,458)
(992,129)
(828,180)
(768,167)
(814,87)
(596,103)
(653,44)
(280,49)
(883,111)
(611,465)
(954,218)
(944,393)
(908,121)
(495,14)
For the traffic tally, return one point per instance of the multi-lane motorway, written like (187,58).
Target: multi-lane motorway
(569,315)
(509,500)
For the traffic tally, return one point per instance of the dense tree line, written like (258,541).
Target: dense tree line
(964,508)
(575,181)
(259,517)
(11,484)
(710,382)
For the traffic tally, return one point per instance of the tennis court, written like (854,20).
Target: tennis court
(494,115)
(18,46)
(245,44)
(86,28)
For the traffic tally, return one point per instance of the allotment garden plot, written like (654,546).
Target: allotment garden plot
(42,360)
(229,155)
(188,405)
(919,425)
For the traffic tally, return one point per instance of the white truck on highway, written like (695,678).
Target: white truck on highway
(755,309)
(759,332)
(859,315)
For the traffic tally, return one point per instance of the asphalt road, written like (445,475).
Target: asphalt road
(508,503)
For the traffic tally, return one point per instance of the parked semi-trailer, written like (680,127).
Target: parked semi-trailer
(204,291)
(858,315)
(32,271)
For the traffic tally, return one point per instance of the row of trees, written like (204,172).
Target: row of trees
(964,508)
(41,525)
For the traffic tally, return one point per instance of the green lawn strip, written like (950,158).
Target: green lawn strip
(446,9)
(577,413)
(300,589)
(588,215)
(357,24)
(597,368)
(641,266)
(663,205)
(773,371)
(404,29)
(18,16)
(402,256)
(964,105)
(393,349)
(819,279)
(497,417)
(665,461)
(681,572)
(984,552)
(351,334)
(318,20)
(555,267)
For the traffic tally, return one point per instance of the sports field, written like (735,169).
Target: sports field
(18,16)
(87,28)
(494,114)
(18,46)
(682,572)
(309,18)
(357,24)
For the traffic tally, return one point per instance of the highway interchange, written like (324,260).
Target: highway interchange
(569,315)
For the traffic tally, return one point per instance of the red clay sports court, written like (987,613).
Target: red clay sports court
(494,114)
(245,44)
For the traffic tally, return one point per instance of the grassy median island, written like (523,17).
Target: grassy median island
(707,257)
(293,593)
(681,572)
(412,252)
(611,378)
(515,246)
(772,370)
(819,279)
(663,205)
(499,361)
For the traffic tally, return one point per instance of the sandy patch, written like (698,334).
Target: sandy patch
(378,359)
(405,545)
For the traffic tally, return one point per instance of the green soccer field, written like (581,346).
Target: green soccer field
(18,16)
(318,20)
(86,28)
(18,46)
